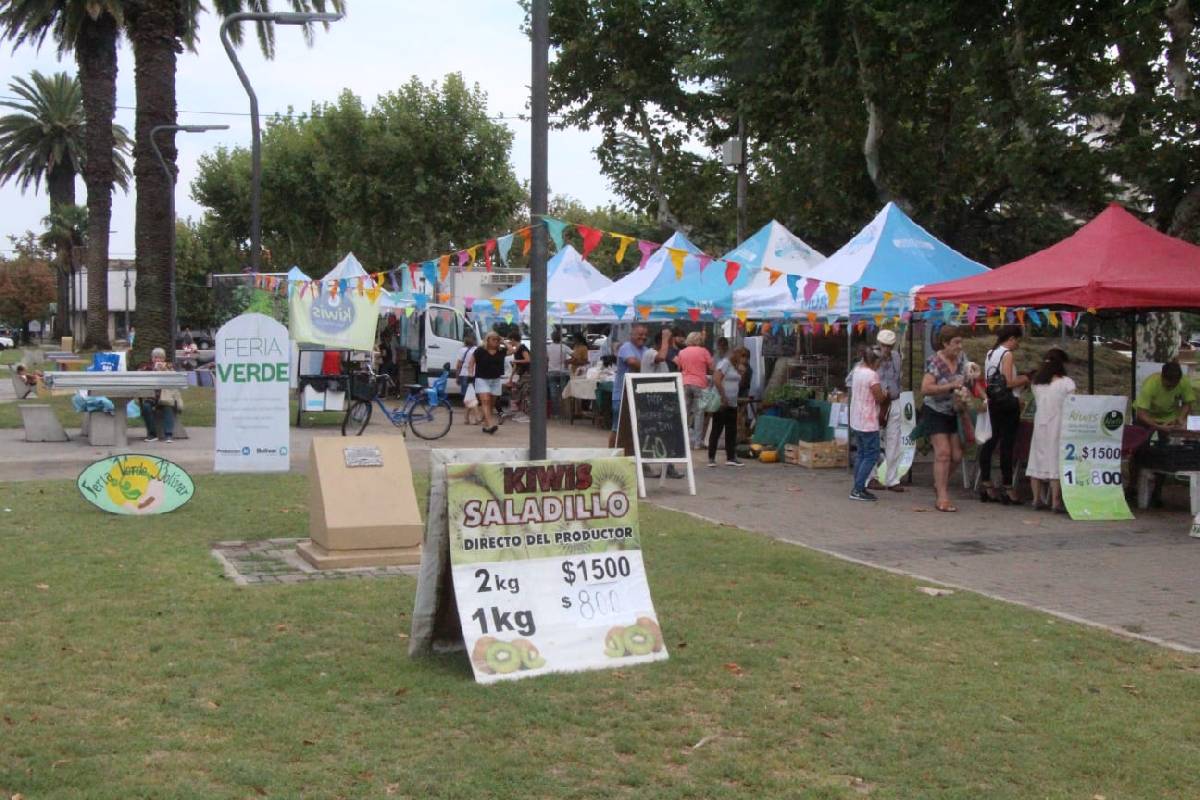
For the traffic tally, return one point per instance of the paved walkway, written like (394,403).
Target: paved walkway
(1137,578)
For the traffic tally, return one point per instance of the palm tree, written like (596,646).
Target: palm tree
(158,29)
(44,144)
(89,28)
(66,232)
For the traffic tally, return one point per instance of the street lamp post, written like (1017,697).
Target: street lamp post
(172,176)
(127,304)
(279,18)
(539,106)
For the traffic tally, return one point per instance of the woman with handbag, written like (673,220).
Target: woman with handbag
(945,374)
(696,364)
(463,368)
(727,378)
(159,411)
(1004,411)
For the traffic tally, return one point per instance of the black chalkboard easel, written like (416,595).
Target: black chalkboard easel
(653,424)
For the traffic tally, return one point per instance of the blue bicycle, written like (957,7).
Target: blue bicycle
(426,410)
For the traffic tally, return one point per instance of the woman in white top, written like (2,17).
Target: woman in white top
(557,370)
(1004,409)
(465,369)
(1051,386)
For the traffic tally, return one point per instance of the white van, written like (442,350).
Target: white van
(433,338)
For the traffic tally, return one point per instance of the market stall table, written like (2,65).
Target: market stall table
(1177,455)
(579,389)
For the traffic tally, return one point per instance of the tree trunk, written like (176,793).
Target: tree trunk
(664,216)
(1179,23)
(876,123)
(1160,336)
(60,182)
(153,28)
(96,55)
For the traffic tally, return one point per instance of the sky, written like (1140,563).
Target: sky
(376,48)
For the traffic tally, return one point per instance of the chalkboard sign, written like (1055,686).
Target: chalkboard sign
(653,423)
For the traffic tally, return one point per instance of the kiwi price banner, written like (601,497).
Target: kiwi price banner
(547,566)
(1089,458)
(908,446)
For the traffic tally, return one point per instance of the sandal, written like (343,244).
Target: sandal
(945,505)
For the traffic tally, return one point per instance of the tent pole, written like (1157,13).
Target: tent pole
(909,331)
(1133,357)
(1091,334)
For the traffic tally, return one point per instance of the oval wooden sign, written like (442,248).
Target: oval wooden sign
(136,484)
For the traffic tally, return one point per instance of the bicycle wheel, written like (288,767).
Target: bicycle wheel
(358,414)
(431,421)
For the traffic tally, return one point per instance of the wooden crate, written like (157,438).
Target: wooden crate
(817,455)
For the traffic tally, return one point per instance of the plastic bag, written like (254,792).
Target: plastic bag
(469,399)
(133,410)
(983,427)
(710,400)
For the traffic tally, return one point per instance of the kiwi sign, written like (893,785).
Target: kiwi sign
(1089,456)
(547,567)
(653,424)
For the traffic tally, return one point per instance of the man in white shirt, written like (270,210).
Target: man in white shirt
(557,372)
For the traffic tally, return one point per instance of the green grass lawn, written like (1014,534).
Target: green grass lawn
(132,668)
(199,404)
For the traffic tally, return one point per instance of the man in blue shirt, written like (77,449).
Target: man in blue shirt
(629,358)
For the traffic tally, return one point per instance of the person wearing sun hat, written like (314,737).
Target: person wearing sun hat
(889,380)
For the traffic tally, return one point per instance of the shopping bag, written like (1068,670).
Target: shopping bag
(133,410)
(469,399)
(710,400)
(983,427)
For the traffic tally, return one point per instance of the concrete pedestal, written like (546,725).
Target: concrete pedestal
(363,513)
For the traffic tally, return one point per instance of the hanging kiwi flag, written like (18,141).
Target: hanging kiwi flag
(544,564)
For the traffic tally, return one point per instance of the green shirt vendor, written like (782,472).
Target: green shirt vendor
(1165,400)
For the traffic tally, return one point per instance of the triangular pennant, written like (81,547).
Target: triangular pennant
(886,296)
(879,320)
(503,246)
(732,268)
(793,284)
(670,309)
(444,266)
(810,288)
(420,300)
(1068,318)
(595,308)
(812,317)
(749,326)
(644,311)
(677,257)
(522,305)
(591,238)
(1034,317)
(861,327)
(496,304)
(828,328)
(373,293)
(444,297)
(555,226)
(473,255)
(625,241)
(571,307)
(1021,316)
(620,310)
(489,247)
(463,258)
(831,290)
(508,318)
(704,260)
(646,248)
(1052,318)
(360,287)
(694,314)
(866,292)
(972,312)
(408,311)
(741,314)
(772,276)
(717,312)
(468,302)
(527,235)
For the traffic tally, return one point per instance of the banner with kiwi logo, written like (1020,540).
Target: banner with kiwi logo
(547,567)
(1089,457)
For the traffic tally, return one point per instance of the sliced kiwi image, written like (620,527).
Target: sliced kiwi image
(614,642)
(638,640)
(503,658)
(479,653)
(531,658)
(655,631)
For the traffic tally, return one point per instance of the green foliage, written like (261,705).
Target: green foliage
(46,133)
(998,126)
(422,169)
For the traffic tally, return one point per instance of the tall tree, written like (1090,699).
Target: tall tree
(90,29)
(43,143)
(158,31)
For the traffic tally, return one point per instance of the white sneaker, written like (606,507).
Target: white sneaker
(712,463)
(168,440)
(734,463)
(150,439)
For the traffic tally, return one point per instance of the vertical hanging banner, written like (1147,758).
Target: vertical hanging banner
(252,355)
(1090,457)
(908,447)
(547,567)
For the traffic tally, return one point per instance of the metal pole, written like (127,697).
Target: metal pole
(1133,358)
(539,106)
(1091,334)
(741,181)
(127,303)
(255,139)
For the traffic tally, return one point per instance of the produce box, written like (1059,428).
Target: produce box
(817,455)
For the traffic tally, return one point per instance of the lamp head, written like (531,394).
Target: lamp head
(302,18)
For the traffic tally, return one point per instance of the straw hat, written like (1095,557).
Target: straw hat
(886,337)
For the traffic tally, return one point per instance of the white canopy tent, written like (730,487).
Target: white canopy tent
(597,306)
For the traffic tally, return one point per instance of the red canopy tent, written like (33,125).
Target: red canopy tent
(1115,262)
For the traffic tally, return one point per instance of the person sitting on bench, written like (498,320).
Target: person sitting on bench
(159,411)
(29,379)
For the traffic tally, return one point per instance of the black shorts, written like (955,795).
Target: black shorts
(936,422)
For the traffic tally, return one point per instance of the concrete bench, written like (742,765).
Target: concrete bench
(118,387)
(41,424)
(21,388)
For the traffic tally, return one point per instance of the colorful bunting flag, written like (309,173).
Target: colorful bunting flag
(866,292)
(496,303)
(677,257)
(504,245)
(731,271)
(810,288)
(793,284)
(522,305)
(489,247)
(555,226)
(508,317)
(595,308)
(444,266)
(741,314)
(591,238)
(644,311)
(647,248)
(620,310)
(694,314)
(571,307)
(886,297)
(772,276)
(832,290)
(704,260)
(527,235)
(625,241)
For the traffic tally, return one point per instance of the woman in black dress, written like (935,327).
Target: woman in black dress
(487,365)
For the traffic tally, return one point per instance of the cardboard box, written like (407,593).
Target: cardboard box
(817,455)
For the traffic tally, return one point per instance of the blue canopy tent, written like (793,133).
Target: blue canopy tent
(772,247)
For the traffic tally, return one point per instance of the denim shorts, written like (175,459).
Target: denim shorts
(492,386)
